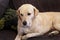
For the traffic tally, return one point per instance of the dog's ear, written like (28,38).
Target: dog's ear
(18,12)
(36,11)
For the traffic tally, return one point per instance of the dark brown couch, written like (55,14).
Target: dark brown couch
(42,5)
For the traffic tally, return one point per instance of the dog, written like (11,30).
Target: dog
(33,23)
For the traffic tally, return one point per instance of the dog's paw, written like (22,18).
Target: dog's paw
(17,38)
(53,33)
(24,37)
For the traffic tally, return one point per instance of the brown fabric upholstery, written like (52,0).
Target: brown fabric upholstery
(3,6)
(42,5)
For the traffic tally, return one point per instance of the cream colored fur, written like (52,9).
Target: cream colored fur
(37,23)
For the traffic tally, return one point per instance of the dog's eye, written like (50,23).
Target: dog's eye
(21,14)
(29,14)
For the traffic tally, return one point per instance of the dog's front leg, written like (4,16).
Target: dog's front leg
(30,35)
(18,37)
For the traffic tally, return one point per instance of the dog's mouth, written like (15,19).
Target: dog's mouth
(26,26)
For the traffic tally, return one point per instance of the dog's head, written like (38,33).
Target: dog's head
(27,13)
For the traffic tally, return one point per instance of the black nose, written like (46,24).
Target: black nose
(24,23)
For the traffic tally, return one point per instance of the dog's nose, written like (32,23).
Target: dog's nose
(24,23)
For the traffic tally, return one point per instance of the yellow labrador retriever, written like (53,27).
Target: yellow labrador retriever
(33,23)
